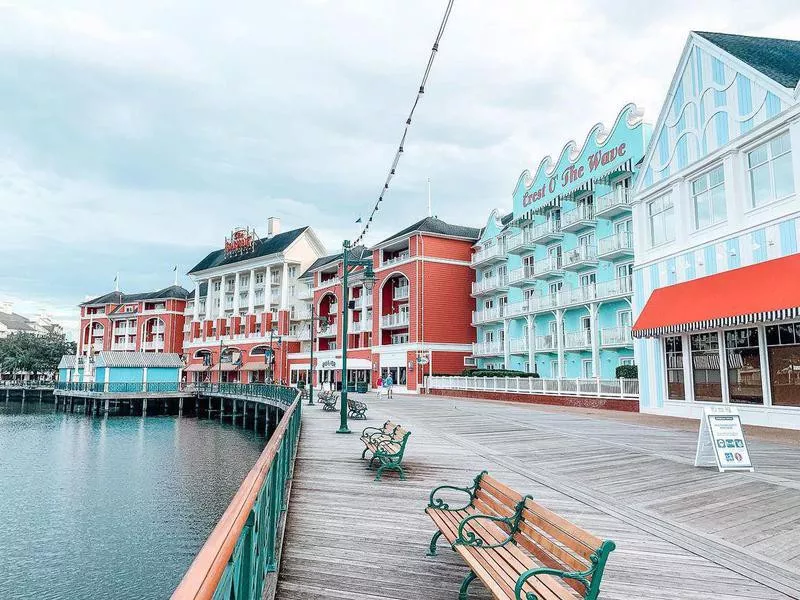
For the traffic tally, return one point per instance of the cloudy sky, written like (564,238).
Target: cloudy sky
(135,135)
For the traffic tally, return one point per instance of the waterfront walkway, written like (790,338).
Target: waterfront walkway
(681,532)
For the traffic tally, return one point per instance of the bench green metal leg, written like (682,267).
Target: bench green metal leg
(383,468)
(462,593)
(432,547)
(364,453)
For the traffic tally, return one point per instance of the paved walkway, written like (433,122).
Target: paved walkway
(681,532)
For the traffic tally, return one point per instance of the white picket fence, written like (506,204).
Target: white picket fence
(596,388)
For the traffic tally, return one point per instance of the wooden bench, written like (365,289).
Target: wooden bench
(328,400)
(388,451)
(356,409)
(369,434)
(516,547)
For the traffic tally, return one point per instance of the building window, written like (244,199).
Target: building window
(783,352)
(217,285)
(661,216)
(673,353)
(744,366)
(770,170)
(626,362)
(705,367)
(292,271)
(259,277)
(587,369)
(708,196)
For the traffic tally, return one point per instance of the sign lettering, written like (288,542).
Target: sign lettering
(242,241)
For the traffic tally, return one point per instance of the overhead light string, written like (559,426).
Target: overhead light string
(393,169)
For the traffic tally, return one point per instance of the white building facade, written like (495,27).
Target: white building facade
(716,217)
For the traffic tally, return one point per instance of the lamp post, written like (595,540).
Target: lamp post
(369,281)
(314,320)
(272,355)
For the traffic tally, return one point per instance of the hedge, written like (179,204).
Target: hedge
(496,373)
(627,372)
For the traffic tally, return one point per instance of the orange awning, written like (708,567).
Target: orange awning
(254,366)
(198,368)
(765,292)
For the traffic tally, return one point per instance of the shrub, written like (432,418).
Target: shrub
(627,372)
(498,373)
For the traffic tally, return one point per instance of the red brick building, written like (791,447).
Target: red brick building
(420,306)
(144,322)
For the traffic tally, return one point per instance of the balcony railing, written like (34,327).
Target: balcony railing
(387,262)
(613,203)
(514,309)
(616,244)
(550,230)
(154,345)
(324,330)
(518,346)
(123,347)
(602,388)
(616,336)
(303,333)
(400,293)
(496,251)
(545,342)
(400,319)
(157,329)
(301,314)
(548,267)
(578,217)
(486,315)
(487,348)
(598,291)
(360,326)
(521,242)
(576,340)
(305,293)
(521,275)
(582,255)
(488,284)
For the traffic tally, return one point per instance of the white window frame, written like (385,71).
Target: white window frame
(770,163)
(706,194)
(626,360)
(666,206)
(590,363)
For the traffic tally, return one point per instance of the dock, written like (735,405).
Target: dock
(681,532)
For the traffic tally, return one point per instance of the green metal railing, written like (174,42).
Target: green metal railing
(281,393)
(123,387)
(284,395)
(244,546)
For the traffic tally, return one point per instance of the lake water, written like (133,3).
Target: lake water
(117,508)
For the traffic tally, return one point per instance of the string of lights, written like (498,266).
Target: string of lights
(399,152)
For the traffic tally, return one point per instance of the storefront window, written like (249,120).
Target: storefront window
(783,351)
(744,366)
(673,348)
(705,367)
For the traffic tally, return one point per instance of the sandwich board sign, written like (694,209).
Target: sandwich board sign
(721,441)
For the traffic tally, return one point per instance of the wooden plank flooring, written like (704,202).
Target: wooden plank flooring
(681,532)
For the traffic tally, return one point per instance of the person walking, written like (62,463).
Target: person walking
(380,386)
(389,382)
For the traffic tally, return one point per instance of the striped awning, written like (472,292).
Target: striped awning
(762,293)
(254,366)
(196,368)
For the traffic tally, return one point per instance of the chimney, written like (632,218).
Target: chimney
(6,307)
(273,226)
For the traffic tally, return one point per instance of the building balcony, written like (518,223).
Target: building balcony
(490,284)
(491,254)
(364,302)
(615,246)
(360,326)
(545,343)
(400,293)
(331,281)
(517,309)
(124,347)
(522,277)
(326,331)
(401,257)
(395,321)
(543,303)
(578,218)
(487,315)
(488,349)
(153,345)
(302,333)
(612,204)
(578,340)
(547,232)
(157,329)
(616,336)
(519,346)
(548,268)
(300,314)
(521,243)
(580,258)
(604,290)
(304,292)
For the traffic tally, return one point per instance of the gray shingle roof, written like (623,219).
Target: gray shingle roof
(173,291)
(356,253)
(263,247)
(67,362)
(139,359)
(436,226)
(15,322)
(776,58)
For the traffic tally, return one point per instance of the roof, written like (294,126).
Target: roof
(355,253)
(139,359)
(436,226)
(67,362)
(263,247)
(734,297)
(15,322)
(173,291)
(776,58)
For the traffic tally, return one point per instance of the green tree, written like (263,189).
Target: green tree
(34,353)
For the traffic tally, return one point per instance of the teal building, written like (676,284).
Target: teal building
(553,278)
(112,367)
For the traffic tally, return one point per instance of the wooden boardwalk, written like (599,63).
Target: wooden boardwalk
(681,532)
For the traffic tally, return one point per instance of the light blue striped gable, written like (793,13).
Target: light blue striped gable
(713,99)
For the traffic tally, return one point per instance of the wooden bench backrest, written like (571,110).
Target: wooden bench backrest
(495,498)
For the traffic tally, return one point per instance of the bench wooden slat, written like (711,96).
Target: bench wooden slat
(577,538)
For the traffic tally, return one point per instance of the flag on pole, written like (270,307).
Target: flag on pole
(175,271)
(116,282)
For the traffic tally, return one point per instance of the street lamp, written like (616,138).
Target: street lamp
(369,281)
(314,319)
(269,355)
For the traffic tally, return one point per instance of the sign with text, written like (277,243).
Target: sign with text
(721,441)
(242,241)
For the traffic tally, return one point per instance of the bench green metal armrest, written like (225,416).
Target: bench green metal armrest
(470,538)
(374,430)
(590,578)
(439,504)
